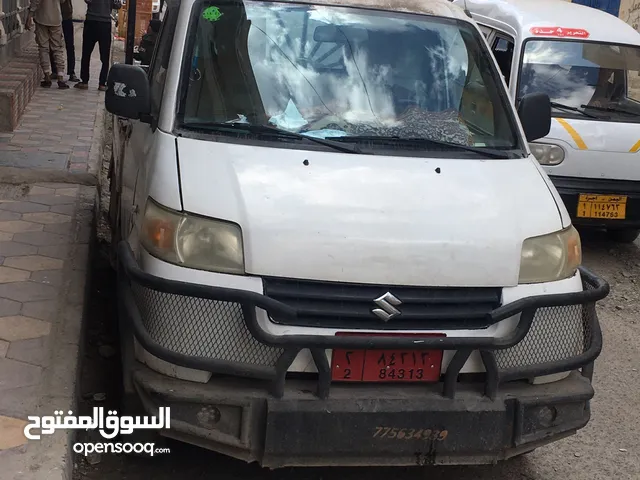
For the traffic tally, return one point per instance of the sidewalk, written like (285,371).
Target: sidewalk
(58,126)
(48,169)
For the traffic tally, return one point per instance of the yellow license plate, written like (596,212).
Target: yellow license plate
(610,207)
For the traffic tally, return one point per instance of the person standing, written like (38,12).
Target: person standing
(97,29)
(47,16)
(67,30)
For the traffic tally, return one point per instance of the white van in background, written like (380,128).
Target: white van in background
(588,62)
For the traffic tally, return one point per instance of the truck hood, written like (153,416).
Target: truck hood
(370,219)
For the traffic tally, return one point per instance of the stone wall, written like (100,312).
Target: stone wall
(630,12)
(18,80)
(13,36)
(19,70)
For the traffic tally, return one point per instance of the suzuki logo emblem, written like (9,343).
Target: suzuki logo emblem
(387,304)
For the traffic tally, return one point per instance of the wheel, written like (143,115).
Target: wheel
(624,235)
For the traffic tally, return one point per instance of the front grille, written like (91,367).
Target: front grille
(200,327)
(556,334)
(346,305)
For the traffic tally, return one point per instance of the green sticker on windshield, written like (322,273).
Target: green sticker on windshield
(212,14)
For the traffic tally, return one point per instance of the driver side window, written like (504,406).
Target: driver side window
(502,49)
(160,61)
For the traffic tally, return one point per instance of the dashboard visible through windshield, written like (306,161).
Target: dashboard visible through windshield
(346,74)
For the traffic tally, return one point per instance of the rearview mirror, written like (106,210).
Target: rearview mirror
(534,110)
(127,92)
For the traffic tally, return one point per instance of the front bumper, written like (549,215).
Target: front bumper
(570,189)
(283,421)
(366,425)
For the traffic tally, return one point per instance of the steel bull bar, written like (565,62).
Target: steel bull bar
(594,289)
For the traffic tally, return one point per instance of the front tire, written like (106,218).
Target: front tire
(624,235)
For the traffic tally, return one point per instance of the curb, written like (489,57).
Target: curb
(95,151)
(19,176)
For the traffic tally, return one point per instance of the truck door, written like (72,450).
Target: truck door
(141,139)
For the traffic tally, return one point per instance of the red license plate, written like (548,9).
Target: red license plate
(386,365)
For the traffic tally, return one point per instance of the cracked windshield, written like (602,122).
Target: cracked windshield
(586,79)
(344,74)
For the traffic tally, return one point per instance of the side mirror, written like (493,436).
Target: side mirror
(128,93)
(534,110)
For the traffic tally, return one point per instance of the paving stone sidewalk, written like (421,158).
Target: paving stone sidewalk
(45,230)
(45,233)
(57,128)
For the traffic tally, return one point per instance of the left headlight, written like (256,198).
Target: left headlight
(547,154)
(551,257)
(192,241)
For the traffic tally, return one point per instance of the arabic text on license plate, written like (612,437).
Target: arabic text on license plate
(612,207)
(386,365)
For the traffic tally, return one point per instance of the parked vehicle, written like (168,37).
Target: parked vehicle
(334,246)
(588,62)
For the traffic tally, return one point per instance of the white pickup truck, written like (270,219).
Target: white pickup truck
(334,245)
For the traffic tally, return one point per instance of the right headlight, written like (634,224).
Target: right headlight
(551,257)
(192,241)
(547,154)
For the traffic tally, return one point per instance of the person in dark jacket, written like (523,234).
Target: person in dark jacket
(148,42)
(97,29)
(67,29)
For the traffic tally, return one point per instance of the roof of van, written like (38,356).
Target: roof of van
(525,15)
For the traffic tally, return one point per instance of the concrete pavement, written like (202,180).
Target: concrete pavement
(48,169)
(59,127)
(44,246)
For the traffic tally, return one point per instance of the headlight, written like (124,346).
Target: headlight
(550,257)
(192,241)
(547,154)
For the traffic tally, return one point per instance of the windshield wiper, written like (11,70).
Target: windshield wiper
(488,152)
(611,109)
(573,109)
(262,129)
